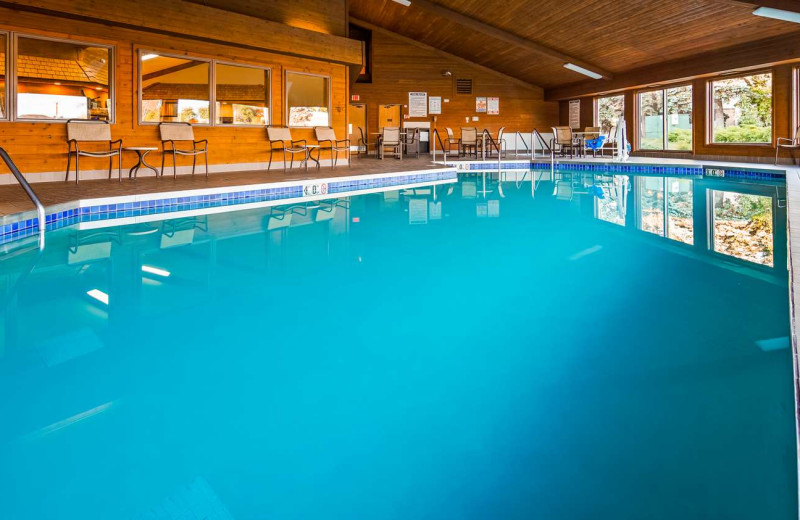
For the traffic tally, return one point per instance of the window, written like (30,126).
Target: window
(307,100)
(365,37)
(743,226)
(665,119)
(741,109)
(608,110)
(59,80)
(242,95)
(666,205)
(174,89)
(3,82)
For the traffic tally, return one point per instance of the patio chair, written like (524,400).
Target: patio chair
(390,138)
(451,139)
(790,144)
(469,141)
(563,141)
(592,140)
(493,144)
(364,143)
(176,133)
(412,137)
(85,131)
(278,137)
(326,138)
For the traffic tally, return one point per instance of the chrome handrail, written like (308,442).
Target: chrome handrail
(517,137)
(27,187)
(441,144)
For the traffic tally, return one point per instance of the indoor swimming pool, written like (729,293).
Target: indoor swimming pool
(597,346)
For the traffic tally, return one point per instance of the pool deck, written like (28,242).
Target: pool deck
(793,229)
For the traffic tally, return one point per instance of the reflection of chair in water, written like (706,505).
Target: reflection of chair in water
(417,211)
(469,190)
(89,246)
(180,232)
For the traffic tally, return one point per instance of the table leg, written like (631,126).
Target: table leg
(144,163)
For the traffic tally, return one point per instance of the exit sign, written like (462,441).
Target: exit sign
(355,97)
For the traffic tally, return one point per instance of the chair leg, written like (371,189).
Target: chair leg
(163,155)
(110,166)
(77,167)
(205,156)
(174,166)
(69,163)
(284,160)
(194,163)
(119,166)
(269,165)
(291,162)
(777,149)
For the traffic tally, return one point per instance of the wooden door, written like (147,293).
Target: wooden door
(389,115)
(358,119)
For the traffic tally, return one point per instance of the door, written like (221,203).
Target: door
(358,119)
(388,115)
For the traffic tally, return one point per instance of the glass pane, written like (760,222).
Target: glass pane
(742,109)
(3,47)
(62,80)
(680,225)
(679,118)
(651,197)
(743,226)
(242,95)
(612,206)
(651,120)
(174,89)
(307,100)
(609,110)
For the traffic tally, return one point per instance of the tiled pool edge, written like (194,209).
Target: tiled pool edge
(23,225)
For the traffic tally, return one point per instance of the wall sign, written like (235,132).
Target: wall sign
(417,104)
(315,188)
(480,104)
(493,106)
(575,113)
(355,97)
(435,105)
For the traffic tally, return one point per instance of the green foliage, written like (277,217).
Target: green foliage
(743,134)
(680,139)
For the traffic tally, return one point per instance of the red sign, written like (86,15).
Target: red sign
(355,97)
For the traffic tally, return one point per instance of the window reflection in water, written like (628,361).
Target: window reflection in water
(651,199)
(612,206)
(680,225)
(743,226)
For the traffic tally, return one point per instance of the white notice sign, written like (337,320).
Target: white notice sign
(435,105)
(575,113)
(493,106)
(417,104)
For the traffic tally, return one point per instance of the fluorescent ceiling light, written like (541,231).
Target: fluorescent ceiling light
(156,271)
(778,14)
(581,70)
(403,2)
(98,295)
(146,57)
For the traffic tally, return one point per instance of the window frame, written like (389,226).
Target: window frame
(795,101)
(286,96)
(10,77)
(710,108)
(596,107)
(665,124)
(11,74)
(244,65)
(141,51)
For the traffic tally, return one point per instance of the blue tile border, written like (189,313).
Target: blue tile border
(68,217)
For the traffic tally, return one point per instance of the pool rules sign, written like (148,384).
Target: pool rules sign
(417,104)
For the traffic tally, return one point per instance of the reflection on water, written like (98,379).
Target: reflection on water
(588,347)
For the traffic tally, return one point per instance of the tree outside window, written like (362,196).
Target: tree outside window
(742,109)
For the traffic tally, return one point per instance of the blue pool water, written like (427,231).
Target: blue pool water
(601,347)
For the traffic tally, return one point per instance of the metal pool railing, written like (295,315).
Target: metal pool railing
(31,194)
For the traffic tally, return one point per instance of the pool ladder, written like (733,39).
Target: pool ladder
(27,187)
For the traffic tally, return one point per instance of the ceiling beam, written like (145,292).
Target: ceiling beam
(411,41)
(505,36)
(745,56)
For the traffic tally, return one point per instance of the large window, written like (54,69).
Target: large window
(608,110)
(242,95)
(741,109)
(307,100)
(174,89)
(665,119)
(3,82)
(59,80)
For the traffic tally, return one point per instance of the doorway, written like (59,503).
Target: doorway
(389,115)
(358,119)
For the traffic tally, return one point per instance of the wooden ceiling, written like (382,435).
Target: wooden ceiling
(613,36)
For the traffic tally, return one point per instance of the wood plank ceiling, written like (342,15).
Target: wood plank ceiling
(615,35)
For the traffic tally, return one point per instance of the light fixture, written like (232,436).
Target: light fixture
(581,70)
(403,2)
(156,271)
(98,295)
(778,14)
(57,83)
(146,57)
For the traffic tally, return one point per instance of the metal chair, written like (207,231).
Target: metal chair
(451,139)
(563,141)
(410,140)
(278,135)
(86,131)
(390,138)
(325,134)
(790,144)
(172,133)
(468,141)
(363,142)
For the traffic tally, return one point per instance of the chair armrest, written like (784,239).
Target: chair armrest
(164,143)
(204,142)
(330,143)
(346,141)
(303,141)
(272,144)
(792,141)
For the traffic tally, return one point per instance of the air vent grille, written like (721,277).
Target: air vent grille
(464,86)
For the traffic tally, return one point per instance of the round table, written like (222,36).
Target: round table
(141,153)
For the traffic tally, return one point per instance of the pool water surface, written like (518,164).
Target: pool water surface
(599,347)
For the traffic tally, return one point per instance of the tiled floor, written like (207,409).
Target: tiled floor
(14,200)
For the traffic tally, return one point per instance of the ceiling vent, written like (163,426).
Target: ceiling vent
(464,86)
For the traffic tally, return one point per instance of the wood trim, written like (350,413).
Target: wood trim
(251,33)
(516,81)
(783,49)
(505,36)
